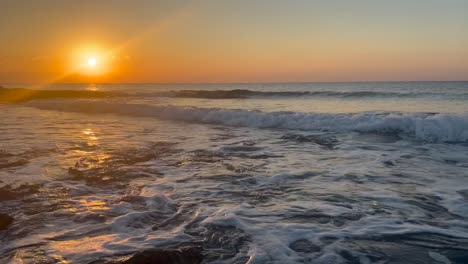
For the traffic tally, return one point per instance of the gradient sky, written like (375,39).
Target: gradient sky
(43,41)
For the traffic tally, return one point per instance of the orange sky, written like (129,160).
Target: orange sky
(232,41)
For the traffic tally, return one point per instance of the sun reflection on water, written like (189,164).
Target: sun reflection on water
(82,245)
(94,205)
(92,87)
(90,134)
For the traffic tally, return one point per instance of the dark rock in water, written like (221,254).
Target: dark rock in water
(304,246)
(186,255)
(5,221)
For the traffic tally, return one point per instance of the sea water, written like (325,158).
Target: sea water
(243,173)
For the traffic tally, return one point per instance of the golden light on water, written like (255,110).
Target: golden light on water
(90,134)
(92,87)
(94,205)
(82,245)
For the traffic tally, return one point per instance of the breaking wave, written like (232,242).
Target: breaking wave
(433,127)
(15,95)
(244,94)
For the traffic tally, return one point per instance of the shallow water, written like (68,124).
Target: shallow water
(338,176)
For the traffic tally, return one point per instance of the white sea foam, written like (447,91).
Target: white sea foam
(423,126)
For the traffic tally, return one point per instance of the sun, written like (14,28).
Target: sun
(92,62)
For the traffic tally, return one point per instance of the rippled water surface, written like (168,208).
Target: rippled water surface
(271,173)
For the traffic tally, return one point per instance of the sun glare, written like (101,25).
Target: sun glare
(92,62)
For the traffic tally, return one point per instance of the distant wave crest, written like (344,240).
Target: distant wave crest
(22,95)
(245,94)
(431,127)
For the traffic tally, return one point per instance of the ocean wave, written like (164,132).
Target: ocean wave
(16,95)
(433,127)
(225,94)
(245,94)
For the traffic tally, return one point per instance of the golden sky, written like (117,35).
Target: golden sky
(45,41)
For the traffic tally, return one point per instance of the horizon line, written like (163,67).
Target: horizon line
(285,82)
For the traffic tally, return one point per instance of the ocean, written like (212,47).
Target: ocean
(234,173)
